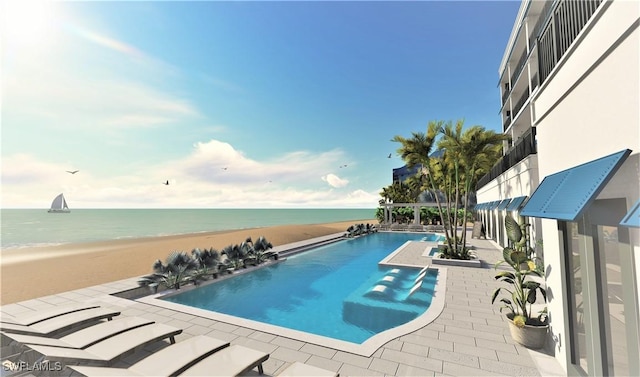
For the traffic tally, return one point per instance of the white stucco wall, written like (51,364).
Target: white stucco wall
(589,109)
(600,115)
(520,180)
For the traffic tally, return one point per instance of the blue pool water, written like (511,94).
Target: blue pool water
(324,291)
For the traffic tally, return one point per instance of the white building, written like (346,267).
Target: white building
(569,84)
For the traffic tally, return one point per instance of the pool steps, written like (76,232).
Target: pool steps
(370,309)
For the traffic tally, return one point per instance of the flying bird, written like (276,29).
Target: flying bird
(166,183)
(343,166)
(224,168)
(389,156)
(72,171)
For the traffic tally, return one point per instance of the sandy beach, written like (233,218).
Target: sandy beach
(29,273)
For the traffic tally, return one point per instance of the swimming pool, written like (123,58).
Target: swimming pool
(325,291)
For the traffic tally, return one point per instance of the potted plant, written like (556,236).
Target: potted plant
(527,328)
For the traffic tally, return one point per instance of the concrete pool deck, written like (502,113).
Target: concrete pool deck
(469,338)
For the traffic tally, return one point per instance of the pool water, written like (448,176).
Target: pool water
(325,291)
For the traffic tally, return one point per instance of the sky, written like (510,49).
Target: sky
(266,104)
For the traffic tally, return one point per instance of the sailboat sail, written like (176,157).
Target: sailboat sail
(59,205)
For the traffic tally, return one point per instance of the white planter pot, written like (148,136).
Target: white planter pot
(533,337)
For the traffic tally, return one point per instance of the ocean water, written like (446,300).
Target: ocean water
(37,227)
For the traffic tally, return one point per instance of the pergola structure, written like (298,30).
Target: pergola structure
(388,208)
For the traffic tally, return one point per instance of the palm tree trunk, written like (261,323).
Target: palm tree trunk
(433,187)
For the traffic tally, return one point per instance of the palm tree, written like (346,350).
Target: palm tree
(234,256)
(480,150)
(262,250)
(208,262)
(467,156)
(385,194)
(417,150)
(246,252)
(177,269)
(470,153)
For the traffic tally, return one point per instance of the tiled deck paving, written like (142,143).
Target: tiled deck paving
(469,338)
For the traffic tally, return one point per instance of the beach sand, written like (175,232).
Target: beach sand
(35,272)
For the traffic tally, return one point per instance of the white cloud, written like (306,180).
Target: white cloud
(220,163)
(22,168)
(196,181)
(335,181)
(71,101)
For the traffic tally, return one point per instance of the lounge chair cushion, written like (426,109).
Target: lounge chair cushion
(52,326)
(85,337)
(108,350)
(168,361)
(36,316)
(231,361)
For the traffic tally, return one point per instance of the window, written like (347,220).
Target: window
(602,296)
(576,299)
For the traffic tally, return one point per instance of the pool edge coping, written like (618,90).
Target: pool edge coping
(367,348)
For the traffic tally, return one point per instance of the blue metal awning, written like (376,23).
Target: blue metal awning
(503,204)
(632,218)
(566,194)
(477,206)
(516,203)
(493,205)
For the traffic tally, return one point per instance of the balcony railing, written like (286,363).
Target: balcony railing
(519,67)
(506,123)
(521,101)
(542,19)
(567,20)
(534,81)
(525,146)
(505,95)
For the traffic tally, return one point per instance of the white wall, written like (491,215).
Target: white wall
(520,180)
(600,115)
(587,110)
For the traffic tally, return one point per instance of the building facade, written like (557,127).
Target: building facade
(401,174)
(570,100)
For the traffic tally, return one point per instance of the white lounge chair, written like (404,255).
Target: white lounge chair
(83,338)
(414,289)
(231,361)
(387,280)
(36,316)
(52,326)
(108,350)
(299,369)
(424,269)
(378,291)
(169,361)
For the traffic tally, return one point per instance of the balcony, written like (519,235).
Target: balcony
(506,124)
(505,95)
(519,67)
(521,101)
(544,16)
(567,20)
(525,146)
(534,81)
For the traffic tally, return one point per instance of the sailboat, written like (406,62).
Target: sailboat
(59,205)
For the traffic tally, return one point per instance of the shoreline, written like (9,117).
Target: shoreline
(33,272)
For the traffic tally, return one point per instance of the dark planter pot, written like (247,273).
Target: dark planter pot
(530,336)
